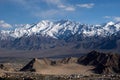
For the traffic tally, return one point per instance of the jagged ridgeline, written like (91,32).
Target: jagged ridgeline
(36,65)
(73,35)
(103,63)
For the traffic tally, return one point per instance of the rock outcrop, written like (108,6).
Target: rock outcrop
(36,64)
(103,62)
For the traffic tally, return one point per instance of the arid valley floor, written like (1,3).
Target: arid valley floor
(70,68)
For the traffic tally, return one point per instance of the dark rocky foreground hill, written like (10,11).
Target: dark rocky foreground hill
(103,62)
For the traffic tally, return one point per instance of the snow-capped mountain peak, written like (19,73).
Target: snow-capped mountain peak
(63,28)
(110,23)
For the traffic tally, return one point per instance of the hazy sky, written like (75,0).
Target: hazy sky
(32,11)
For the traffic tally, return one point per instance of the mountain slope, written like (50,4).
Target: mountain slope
(64,28)
(47,34)
(104,62)
(101,63)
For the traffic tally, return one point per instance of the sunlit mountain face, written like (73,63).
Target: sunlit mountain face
(47,34)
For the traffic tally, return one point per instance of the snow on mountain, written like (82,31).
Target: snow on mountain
(63,28)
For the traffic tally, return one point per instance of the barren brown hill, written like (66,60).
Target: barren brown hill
(103,62)
(36,65)
(57,67)
(93,62)
(68,60)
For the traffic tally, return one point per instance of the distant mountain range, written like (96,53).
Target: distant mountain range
(47,35)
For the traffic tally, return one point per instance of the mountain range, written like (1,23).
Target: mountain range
(64,33)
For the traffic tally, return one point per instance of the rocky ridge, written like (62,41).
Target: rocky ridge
(104,63)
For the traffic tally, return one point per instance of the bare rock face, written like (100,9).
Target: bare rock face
(103,62)
(35,65)
(48,35)
(69,60)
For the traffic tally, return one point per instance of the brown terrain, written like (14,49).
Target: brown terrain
(105,63)
(92,63)
(65,66)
